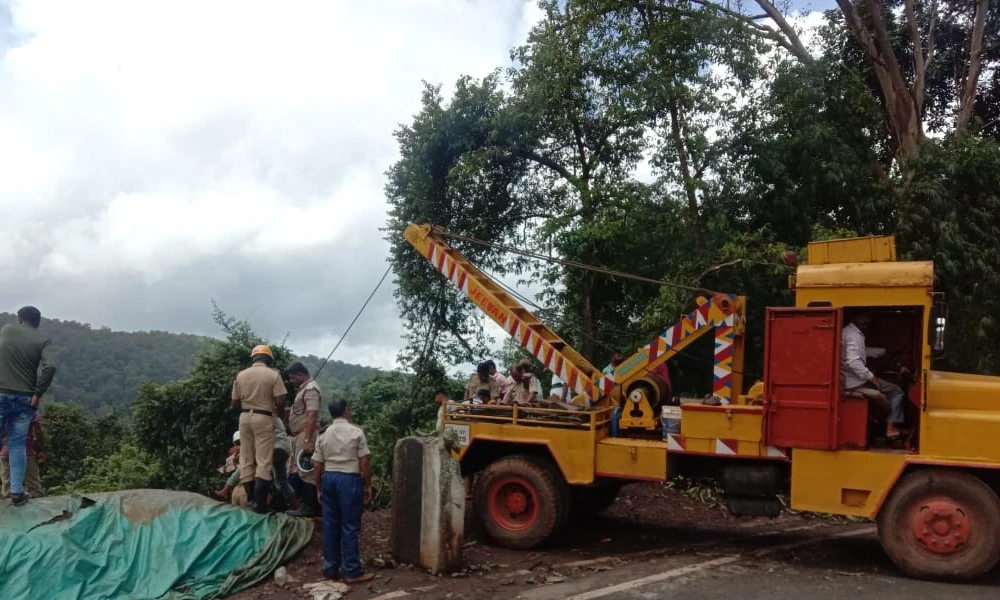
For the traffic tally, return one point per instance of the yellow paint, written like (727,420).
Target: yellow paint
(853,250)
(632,459)
(845,483)
(737,423)
(962,420)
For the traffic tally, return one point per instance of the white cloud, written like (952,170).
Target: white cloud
(181,151)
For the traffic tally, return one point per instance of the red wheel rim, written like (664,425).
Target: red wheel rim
(513,503)
(941,525)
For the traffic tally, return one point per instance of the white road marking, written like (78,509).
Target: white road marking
(391,595)
(403,593)
(671,574)
(718,562)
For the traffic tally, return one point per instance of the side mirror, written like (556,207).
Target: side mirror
(936,326)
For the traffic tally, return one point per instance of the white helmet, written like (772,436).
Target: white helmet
(304,462)
(236,437)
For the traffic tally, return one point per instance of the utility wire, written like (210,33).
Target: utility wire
(353,321)
(571,263)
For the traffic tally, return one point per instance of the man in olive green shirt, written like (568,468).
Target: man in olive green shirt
(26,371)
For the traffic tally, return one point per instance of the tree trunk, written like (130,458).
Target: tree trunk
(968,97)
(680,146)
(900,99)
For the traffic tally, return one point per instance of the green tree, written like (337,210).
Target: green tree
(70,437)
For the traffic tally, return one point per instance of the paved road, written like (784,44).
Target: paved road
(849,564)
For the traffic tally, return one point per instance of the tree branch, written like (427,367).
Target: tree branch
(787,39)
(547,162)
(919,67)
(968,98)
(788,30)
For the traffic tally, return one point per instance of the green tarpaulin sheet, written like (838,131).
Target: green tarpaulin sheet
(139,544)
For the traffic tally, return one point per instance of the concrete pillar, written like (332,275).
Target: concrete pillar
(428,505)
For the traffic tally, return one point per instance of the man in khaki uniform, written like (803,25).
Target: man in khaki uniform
(259,394)
(342,465)
(303,421)
(528,390)
(481,380)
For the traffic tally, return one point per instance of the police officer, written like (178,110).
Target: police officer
(342,466)
(303,420)
(259,394)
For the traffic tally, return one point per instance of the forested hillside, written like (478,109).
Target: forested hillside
(101,370)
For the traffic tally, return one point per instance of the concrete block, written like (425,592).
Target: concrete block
(428,505)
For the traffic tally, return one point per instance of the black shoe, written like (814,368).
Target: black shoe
(260,489)
(305,512)
(19,499)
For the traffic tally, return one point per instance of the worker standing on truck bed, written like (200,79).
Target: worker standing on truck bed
(258,393)
(856,376)
(303,420)
(343,476)
(26,371)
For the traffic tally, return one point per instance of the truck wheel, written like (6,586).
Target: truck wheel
(941,524)
(520,501)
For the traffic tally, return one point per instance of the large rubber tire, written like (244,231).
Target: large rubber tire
(942,524)
(521,501)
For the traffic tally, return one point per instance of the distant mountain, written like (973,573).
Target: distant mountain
(101,370)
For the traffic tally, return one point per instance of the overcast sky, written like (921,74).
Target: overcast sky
(157,155)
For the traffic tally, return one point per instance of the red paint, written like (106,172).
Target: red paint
(940,525)
(513,503)
(852,431)
(802,377)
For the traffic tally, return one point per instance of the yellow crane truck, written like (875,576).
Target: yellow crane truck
(935,500)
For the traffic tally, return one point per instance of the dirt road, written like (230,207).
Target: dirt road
(652,543)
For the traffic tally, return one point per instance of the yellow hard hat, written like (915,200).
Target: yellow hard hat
(261,349)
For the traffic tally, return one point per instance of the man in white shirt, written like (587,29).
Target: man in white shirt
(855,375)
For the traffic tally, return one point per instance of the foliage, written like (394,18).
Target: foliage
(951,214)
(127,468)
(703,489)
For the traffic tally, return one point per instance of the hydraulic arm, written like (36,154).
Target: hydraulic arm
(722,313)
(533,335)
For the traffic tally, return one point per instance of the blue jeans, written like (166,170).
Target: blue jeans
(15,418)
(342,498)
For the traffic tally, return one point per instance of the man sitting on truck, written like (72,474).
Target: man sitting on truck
(481,380)
(855,376)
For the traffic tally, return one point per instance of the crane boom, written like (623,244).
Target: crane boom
(723,313)
(534,336)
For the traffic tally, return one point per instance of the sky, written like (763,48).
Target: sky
(156,156)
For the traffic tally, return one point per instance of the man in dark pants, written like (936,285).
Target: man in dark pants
(26,371)
(344,482)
